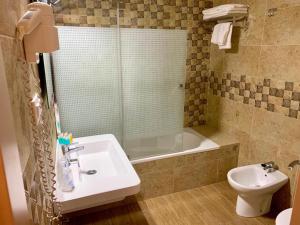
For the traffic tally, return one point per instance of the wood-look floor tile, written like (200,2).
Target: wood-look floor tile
(207,205)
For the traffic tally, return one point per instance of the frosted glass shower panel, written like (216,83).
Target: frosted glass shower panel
(87,81)
(153,72)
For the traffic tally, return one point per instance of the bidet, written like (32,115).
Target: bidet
(255,185)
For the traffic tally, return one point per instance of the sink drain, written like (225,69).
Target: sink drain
(89,172)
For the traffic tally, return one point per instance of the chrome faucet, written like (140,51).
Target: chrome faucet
(72,148)
(293,164)
(67,149)
(270,166)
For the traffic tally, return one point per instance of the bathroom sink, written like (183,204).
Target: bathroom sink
(115,178)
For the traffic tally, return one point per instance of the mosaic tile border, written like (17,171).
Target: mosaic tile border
(275,96)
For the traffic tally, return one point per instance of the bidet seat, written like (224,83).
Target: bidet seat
(255,187)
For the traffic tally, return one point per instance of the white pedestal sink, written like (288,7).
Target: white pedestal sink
(114,180)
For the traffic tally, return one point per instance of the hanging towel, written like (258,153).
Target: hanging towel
(227,44)
(222,35)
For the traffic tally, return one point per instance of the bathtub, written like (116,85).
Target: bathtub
(150,149)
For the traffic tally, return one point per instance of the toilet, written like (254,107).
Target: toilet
(255,188)
(284,218)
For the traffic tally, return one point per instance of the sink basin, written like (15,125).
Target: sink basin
(114,180)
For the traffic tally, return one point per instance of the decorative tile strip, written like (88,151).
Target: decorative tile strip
(283,98)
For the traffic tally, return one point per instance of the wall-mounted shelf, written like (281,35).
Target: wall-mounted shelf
(227,17)
(238,17)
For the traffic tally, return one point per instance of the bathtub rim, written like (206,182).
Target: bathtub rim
(185,152)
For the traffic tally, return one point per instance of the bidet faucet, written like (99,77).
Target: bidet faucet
(270,166)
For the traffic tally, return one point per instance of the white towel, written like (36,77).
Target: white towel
(226,7)
(232,12)
(222,35)
(227,44)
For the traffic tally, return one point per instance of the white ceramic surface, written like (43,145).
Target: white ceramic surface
(255,188)
(115,178)
(192,142)
(284,218)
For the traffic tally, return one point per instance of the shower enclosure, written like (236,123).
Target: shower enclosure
(125,81)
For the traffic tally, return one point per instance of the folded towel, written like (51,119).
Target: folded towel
(222,35)
(225,7)
(225,13)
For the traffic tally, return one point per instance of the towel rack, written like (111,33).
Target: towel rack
(241,21)
(237,19)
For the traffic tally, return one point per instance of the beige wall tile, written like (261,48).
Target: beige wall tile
(280,62)
(282,3)
(265,128)
(178,173)
(257,10)
(10,12)
(156,183)
(216,61)
(276,28)
(283,27)
(195,175)
(244,151)
(244,61)
(224,165)
(294,33)
(262,151)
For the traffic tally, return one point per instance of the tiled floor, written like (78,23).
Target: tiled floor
(208,205)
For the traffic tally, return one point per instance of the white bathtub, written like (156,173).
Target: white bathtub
(168,146)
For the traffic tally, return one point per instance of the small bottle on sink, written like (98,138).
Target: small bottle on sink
(65,176)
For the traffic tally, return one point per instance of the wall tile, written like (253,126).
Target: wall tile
(275,27)
(164,176)
(275,62)
(294,34)
(282,28)
(10,12)
(266,80)
(253,35)
(188,177)
(224,165)
(245,61)
(156,183)
(282,3)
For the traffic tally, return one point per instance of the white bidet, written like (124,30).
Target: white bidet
(255,188)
